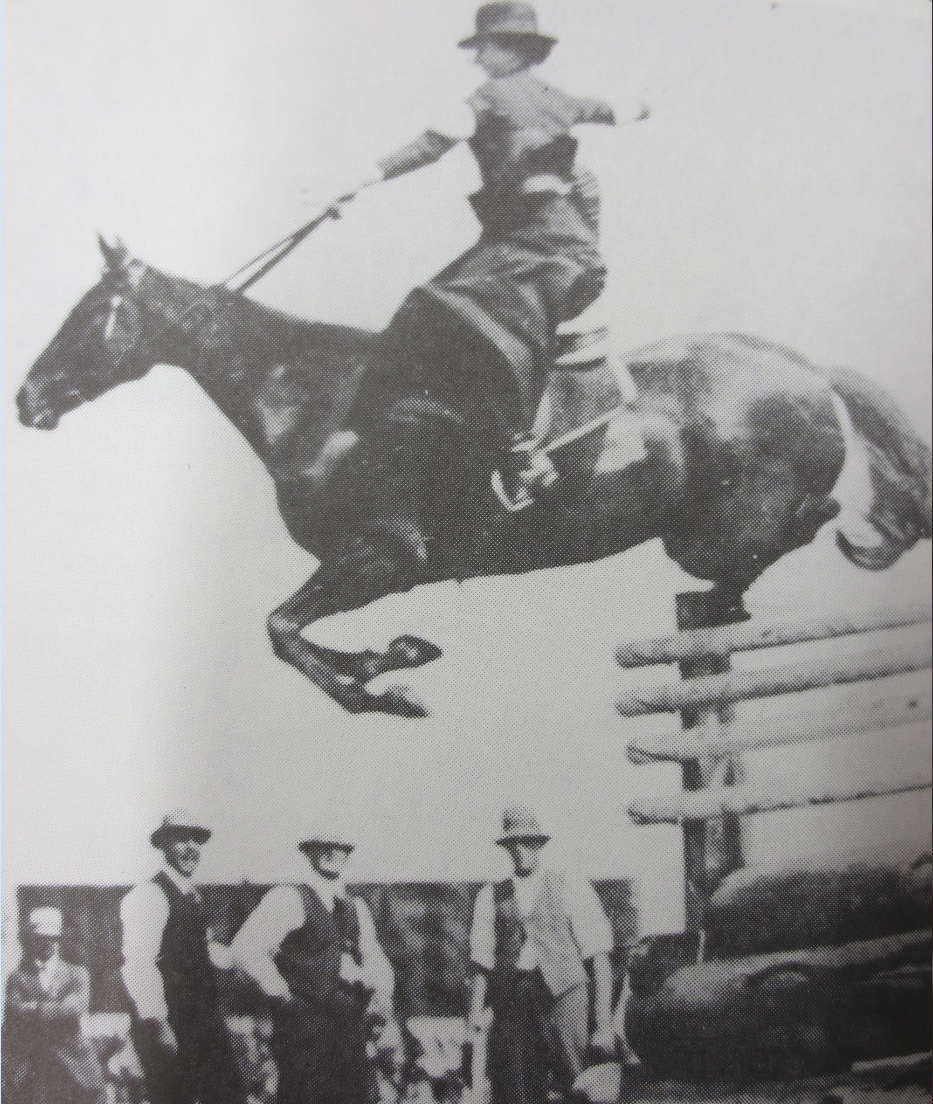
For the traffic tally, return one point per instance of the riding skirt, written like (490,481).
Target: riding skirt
(489,318)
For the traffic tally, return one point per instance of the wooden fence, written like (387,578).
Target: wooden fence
(711,740)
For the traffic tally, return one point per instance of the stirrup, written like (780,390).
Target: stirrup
(540,468)
(514,505)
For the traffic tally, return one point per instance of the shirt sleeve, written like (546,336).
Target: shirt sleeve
(376,970)
(587,918)
(591,110)
(483,930)
(257,943)
(143,915)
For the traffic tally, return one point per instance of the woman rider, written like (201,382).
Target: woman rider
(537,262)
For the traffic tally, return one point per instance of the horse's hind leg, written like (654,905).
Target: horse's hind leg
(371,567)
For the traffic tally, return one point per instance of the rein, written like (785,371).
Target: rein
(275,253)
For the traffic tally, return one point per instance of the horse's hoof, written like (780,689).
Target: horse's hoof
(411,651)
(397,701)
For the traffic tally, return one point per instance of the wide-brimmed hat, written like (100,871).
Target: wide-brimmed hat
(511,19)
(179,823)
(45,923)
(328,836)
(521,825)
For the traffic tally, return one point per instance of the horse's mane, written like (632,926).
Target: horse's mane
(878,421)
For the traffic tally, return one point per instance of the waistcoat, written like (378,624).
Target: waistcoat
(547,926)
(309,958)
(183,962)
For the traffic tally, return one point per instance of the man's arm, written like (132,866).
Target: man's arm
(18,999)
(603,1033)
(482,957)
(375,971)
(143,915)
(594,937)
(74,1000)
(257,943)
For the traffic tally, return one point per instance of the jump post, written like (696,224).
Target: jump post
(713,626)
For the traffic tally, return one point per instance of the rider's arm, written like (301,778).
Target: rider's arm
(455,126)
(598,111)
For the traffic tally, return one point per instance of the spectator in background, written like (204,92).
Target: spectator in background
(313,951)
(169,960)
(533,937)
(46,1058)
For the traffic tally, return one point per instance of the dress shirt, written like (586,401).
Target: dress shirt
(588,921)
(282,912)
(144,913)
(47,970)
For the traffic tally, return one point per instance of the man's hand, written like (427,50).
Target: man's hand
(644,112)
(165,1037)
(604,1042)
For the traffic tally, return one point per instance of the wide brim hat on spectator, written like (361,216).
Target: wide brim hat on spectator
(45,923)
(328,836)
(511,20)
(521,825)
(179,824)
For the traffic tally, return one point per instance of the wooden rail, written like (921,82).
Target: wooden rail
(711,742)
(793,679)
(877,714)
(702,805)
(749,637)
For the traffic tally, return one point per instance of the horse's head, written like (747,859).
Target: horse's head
(99,345)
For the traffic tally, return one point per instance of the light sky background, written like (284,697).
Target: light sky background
(780,188)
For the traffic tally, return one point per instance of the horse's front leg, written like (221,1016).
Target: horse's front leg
(370,568)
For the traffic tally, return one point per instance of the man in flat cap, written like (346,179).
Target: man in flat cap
(537,938)
(46,1058)
(169,959)
(312,949)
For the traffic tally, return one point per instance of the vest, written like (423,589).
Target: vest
(547,926)
(309,958)
(185,966)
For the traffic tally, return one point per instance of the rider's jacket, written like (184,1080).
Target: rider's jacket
(521,140)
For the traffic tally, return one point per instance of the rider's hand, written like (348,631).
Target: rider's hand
(644,112)
(345,194)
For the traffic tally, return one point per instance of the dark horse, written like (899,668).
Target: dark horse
(729,454)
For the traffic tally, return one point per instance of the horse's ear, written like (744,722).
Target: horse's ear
(115,255)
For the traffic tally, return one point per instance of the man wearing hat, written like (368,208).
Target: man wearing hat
(312,950)
(46,1059)
(492,315)
(169,958)
(537,938)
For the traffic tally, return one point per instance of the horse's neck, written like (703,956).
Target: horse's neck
(284,382)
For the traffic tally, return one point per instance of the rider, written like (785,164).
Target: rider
(537,263)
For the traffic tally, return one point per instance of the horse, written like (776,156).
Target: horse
(728,452)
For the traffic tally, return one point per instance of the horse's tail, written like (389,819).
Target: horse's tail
(900,464)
